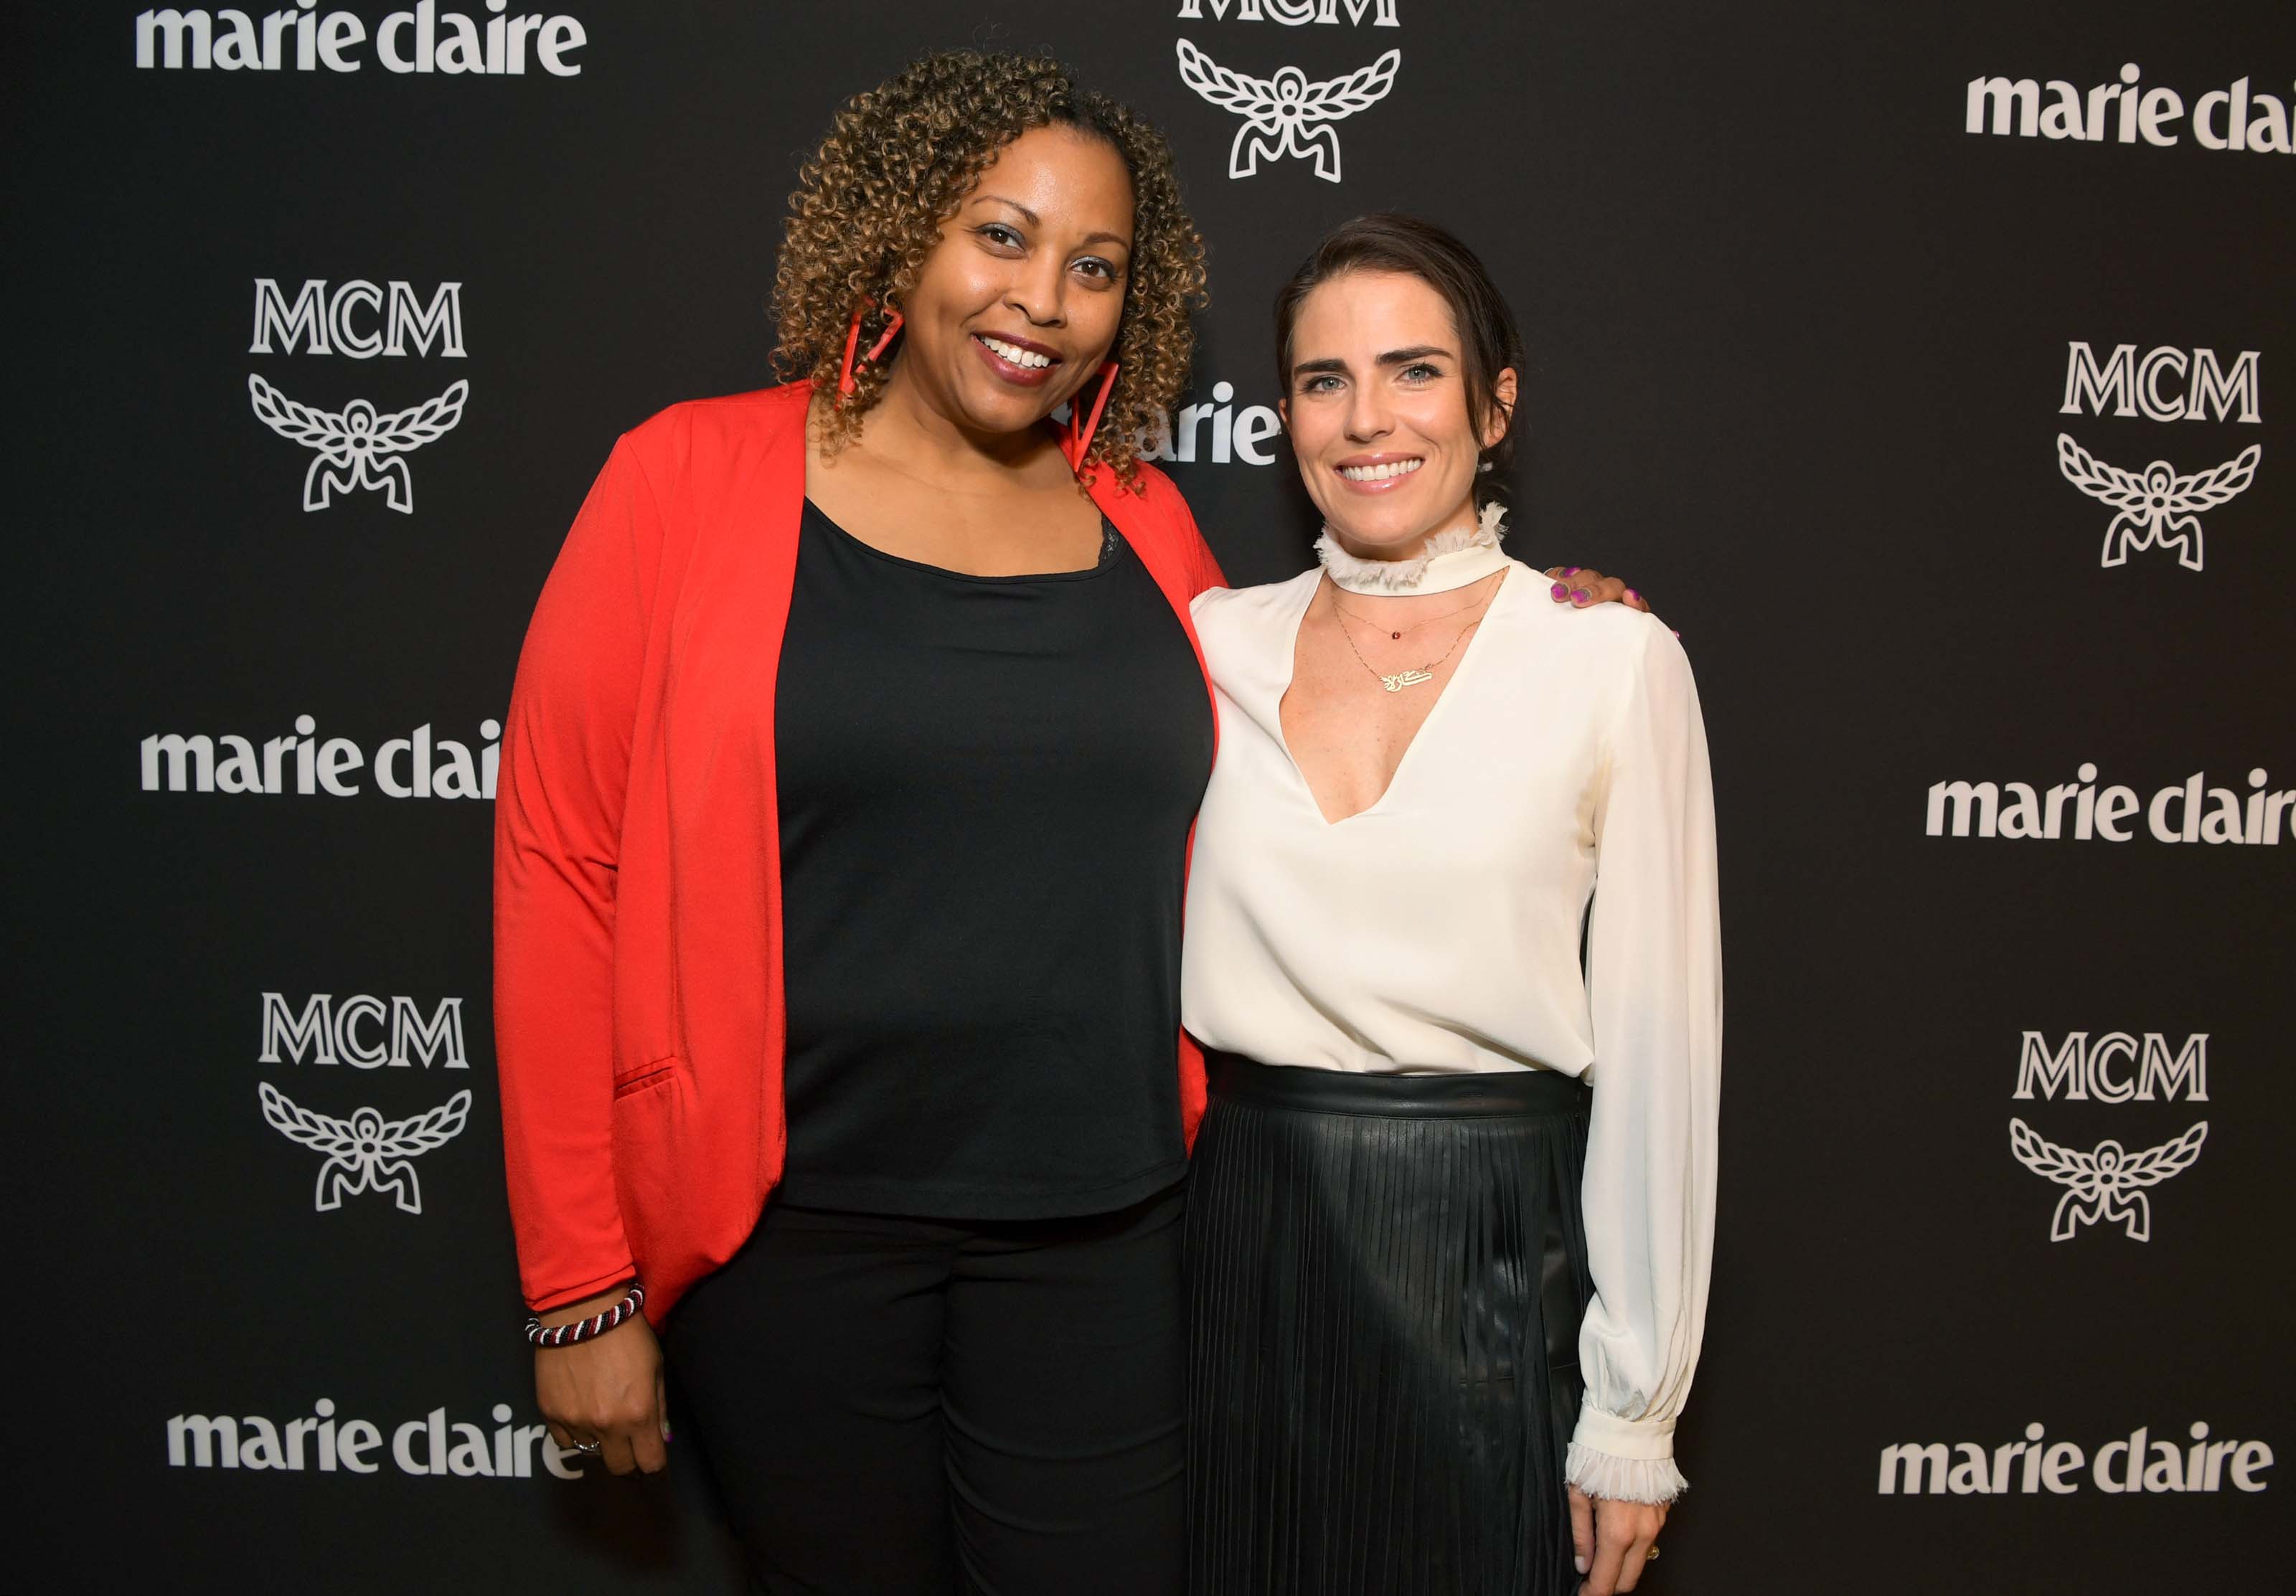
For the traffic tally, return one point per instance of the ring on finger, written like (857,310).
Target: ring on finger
(1651,1556)
(587,1446)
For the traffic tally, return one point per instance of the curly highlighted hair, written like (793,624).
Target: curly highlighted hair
(899,160)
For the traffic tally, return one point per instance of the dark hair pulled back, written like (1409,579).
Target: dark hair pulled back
(1488,343)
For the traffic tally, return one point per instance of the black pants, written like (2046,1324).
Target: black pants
(921,1407)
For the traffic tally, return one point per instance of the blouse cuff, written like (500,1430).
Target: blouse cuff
(1623,1480)
(1624,1460)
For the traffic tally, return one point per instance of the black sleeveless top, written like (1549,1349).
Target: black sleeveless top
(986,785)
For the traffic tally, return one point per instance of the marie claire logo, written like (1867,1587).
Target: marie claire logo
(419,766)
(358,448)
(2157,507)
(2225,119)
(2191,811)
(1213,432)
(424,39)
(2138,1465)
(324,1444)
(1217,432)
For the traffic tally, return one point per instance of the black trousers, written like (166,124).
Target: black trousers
(924,1407)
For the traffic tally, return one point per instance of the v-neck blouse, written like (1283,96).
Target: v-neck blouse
(1440,930)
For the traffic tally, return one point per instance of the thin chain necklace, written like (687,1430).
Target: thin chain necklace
(1366,621)
(1402,679)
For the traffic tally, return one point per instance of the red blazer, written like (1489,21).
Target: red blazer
(638,1013)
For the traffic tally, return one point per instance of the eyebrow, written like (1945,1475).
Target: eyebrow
(1338,367)
(1027,216)
(1034,220)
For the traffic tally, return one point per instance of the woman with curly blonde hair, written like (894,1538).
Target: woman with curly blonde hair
(841,845)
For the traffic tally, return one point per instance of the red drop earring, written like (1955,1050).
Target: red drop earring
(1079,439)
(853,339)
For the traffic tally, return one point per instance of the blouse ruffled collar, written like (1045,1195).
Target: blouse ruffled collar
(1446,561)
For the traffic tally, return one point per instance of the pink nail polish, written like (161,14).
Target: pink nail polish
(1582,595)
(1632,593)
(1572,570)
(1561,592)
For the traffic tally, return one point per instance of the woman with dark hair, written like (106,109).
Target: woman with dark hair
(1453,952)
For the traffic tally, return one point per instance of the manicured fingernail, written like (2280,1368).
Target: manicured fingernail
(1581,595)
(1676,633)
(1578,1563)
(1572,570)
(1632,593)
(1561,592)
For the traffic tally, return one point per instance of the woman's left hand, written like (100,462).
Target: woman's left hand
(1582,587)
(1611,1541)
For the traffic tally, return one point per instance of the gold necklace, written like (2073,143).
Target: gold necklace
(1402,679)
(1413,626)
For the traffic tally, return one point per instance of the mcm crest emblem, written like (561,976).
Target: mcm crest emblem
(2156,505)
(2106,1186)
(356,447)
(366,1153)
(1286,114)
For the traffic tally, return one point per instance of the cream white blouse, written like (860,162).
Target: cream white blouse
(1439,931)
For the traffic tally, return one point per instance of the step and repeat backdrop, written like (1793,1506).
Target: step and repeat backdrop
(1927,366)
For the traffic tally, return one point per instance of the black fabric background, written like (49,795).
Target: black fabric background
(1799,348)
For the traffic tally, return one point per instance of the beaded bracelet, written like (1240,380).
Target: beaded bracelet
(584,1329)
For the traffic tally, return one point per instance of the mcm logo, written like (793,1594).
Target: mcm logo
(2106,1186)
(365,1152)
(1286,115)
(2156,506)
(1295,13)
(357,448)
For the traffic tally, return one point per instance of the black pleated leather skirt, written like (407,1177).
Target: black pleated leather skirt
(1386,1279)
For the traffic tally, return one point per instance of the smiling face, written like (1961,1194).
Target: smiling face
(1018,304)
(1378,412)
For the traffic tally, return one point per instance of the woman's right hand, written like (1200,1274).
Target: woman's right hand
(608,1389)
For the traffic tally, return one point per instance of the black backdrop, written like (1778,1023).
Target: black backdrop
(1800,352)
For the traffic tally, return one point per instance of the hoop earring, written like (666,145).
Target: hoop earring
(1079,439)
(845,383)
